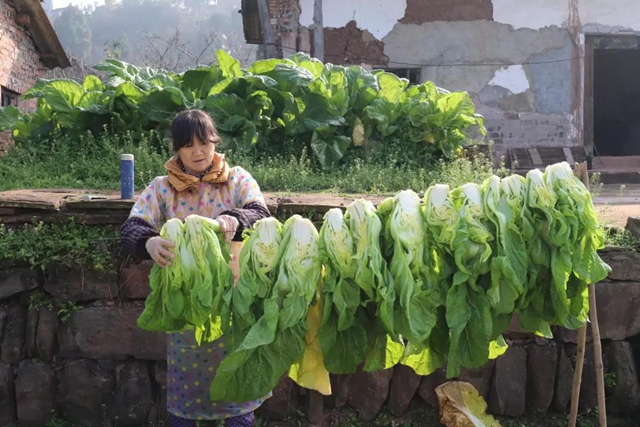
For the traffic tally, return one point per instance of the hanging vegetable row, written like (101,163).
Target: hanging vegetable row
(421,282)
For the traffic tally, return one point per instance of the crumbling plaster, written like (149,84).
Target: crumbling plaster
(514,57)
(377,16)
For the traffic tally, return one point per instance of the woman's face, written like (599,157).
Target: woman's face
(198,156)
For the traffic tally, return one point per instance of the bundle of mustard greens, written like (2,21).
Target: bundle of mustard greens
(425,281)
(188,293)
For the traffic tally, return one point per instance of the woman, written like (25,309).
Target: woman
(198,181)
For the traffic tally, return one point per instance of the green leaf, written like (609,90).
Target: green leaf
(382,351)
(343,350)
(313,65)
(163,104)
(362,87)
(9,116)
(246,375)
(92,83)
(131,93)
(266,65)
(424,362)
(118,68)
(229,66)
(61,95)
(290,78)
(328,146)
(469,320)
(391,87)
(200,80)
(315,112)
(450,105)
(224,106)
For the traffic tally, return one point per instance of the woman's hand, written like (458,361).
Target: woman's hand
(160,250)
(228,226)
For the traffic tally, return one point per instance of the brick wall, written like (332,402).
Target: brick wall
(20,64)
(285,16)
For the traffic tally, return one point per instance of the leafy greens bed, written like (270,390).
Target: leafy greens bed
(276,107)
(424,282)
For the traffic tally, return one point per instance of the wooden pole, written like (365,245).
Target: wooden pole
(583,173)
(595,333)
(597,350)
(267,30)
(318,30)
(577,376)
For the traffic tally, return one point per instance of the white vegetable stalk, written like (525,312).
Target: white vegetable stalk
(270,236)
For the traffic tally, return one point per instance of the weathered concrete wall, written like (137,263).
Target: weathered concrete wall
(521,61)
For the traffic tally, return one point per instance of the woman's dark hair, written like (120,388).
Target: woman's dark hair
(190,123)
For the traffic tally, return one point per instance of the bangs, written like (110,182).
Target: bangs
(193,123)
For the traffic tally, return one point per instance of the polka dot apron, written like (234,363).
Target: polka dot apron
(191,369)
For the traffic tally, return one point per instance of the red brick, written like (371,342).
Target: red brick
(20,66)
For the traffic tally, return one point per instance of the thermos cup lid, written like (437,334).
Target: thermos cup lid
(128,157)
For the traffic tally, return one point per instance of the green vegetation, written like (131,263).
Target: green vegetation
(93,162)
(66,309)
(622,238)
(276,107)
(418,281)
(38,300)
(71,243)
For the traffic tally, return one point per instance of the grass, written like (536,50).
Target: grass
(94,163)
(621,238)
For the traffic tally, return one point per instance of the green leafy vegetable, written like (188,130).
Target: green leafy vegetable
(275,106)
(277,340)
(188,293)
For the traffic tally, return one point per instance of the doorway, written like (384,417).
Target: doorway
(612,100)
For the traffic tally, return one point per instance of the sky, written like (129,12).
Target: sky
(80,3)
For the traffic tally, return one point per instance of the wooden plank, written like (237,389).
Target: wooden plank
(520,156)
(579,154)
(535,156)
(111,204)
(568,155)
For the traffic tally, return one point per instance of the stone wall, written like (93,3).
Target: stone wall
(97,365)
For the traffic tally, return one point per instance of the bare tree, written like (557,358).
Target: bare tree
(78,71)
(173,53)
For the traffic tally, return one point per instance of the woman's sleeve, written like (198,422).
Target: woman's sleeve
(143,222)
(249,199)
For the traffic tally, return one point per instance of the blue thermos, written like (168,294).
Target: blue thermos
(126,176)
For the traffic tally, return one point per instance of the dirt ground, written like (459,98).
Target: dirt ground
(616,203)
(617,215)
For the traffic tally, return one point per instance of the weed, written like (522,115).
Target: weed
(92,162)
(38,300)
(66,309)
